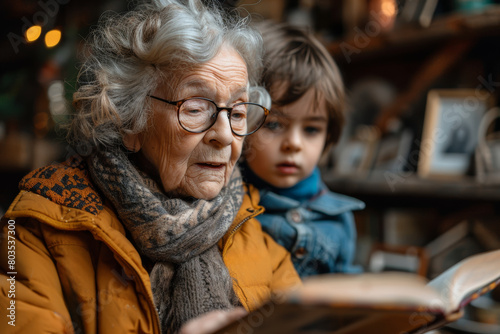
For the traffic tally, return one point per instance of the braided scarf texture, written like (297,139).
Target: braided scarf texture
(189,277)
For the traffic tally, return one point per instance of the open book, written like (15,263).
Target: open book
(385,303)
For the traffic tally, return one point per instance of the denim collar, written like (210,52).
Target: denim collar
(326,202)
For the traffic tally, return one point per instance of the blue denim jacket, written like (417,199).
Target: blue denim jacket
(319,233)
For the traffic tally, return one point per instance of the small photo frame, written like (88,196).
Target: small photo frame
(450,133)
(392,153)
(488,149)
(418,11)
(356,155)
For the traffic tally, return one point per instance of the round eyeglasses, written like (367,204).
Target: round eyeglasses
(198,114)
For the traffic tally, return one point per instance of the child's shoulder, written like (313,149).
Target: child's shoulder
(333,203)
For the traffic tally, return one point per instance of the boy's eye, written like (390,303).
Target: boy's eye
(312,130)
(273,125)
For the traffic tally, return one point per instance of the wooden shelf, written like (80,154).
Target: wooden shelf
(404,39)
(413,187)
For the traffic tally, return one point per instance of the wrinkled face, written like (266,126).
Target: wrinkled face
(289,145)
(197,164)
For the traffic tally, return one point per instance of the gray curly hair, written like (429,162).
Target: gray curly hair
(130,54)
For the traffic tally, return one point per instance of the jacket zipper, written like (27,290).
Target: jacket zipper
(254,214)
(237,227)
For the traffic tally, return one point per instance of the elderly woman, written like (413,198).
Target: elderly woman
(152,227)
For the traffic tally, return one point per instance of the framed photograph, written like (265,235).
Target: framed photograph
(418,11)
(356,155)
(488,149)
(392,152)
(451,130)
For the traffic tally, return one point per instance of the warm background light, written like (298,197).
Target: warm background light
(52,38)
(33,33)
(388,8)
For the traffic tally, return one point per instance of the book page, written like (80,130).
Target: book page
(468,279)
(394,289)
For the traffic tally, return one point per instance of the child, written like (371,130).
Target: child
(306,119)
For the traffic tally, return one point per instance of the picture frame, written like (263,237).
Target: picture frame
(487,157)
(418,11)
(392,152)
(356,156)
(450,133)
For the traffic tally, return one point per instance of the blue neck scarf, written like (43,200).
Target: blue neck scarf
(302,191)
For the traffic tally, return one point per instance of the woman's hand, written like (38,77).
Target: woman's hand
(212,321)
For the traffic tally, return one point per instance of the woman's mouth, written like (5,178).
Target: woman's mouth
(287,168)
(211,165)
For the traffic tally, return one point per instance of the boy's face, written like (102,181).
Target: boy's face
(289,145)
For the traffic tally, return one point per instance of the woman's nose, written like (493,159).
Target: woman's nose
(292,141)
(220,133)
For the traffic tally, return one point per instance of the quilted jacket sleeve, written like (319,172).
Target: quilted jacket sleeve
(31,298)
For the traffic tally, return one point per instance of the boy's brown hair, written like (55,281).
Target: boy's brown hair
(294,57)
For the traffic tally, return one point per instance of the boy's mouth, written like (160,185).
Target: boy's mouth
(287,168)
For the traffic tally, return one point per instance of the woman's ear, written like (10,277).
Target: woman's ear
(132,142)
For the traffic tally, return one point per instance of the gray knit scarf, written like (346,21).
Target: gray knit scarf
(189,277)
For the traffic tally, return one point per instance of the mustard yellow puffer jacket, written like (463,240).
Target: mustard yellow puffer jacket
(67,266)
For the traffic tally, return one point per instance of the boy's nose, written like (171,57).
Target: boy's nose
(292,142)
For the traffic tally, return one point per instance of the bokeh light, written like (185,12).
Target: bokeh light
(52,38)
(33,33)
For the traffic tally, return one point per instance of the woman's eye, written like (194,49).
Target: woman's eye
(238,116)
